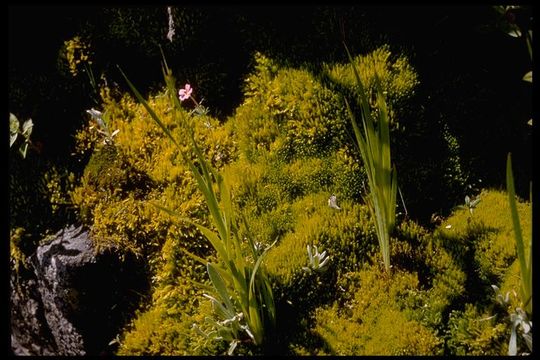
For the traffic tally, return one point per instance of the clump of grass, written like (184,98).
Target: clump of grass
(374,146)
(241,296)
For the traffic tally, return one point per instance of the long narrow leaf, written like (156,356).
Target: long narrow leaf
(226,201)
(374,146)
(220,286)
(364,102)
(251,243)
(520,246)
(205,185)
(393,200)
(214,239)
(226,276)
(268,300)
(223,311)
(202,161)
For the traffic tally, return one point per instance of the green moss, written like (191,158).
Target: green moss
(397,77)
(372,322)
(166,326)
(158,332)
(474,333)
(290,111)
(346,234)
(16,248)
(122,181)
(285,151)
(483,246)
(117,195)
(441,279)
(496,251)
(483,243)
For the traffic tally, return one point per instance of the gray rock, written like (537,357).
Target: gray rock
(56,263)
(28,322)
(73,301)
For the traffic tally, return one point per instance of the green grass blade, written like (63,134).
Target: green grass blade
(251,243)
(205,172)
(268,300)
(393,200)
(204,183)
(204,180)
(215,240)
(209,234)
(525,274)
(360,144)
(225,194)
(219,284)
(223,311)
(254,273)
(364,102)
(374,146)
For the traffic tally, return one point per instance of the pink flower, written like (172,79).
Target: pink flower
(185,93)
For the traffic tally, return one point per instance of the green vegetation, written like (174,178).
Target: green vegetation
(260,200)
(242,297)
(372,320)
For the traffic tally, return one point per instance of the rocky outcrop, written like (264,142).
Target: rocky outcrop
(30,333)
(72,300)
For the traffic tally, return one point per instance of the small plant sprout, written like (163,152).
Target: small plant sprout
(171,32)
(259,247)
(116,340)
(97,116)
(15,131)
(231,328)
(317,262)
(471,204)
(332,202)
(502,300)
(520,321)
